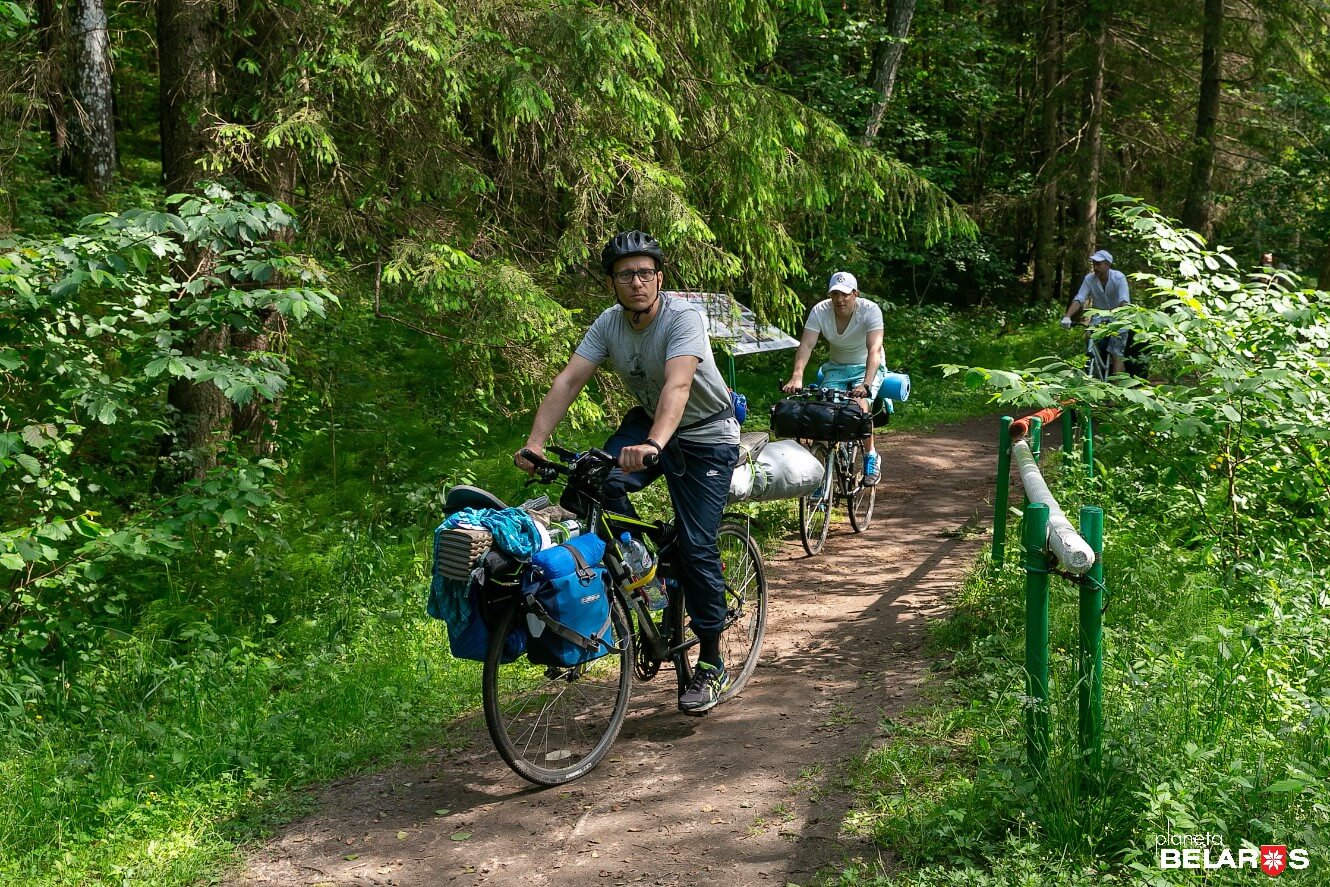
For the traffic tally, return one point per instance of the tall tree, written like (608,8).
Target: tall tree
(1092,130)
(92,121)
(49,74)
(188,37)
(1050,76)
(1196,212)
(886,63)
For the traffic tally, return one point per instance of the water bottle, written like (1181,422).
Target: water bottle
(563,530)
(645,582)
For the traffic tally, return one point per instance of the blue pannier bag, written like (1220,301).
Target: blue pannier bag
(471,640)
(566,594)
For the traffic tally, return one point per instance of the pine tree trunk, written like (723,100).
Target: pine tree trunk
(256,422)
(886,63)
(92,121)
(187,45)
(187,49)
(50,73)
(1323,272)
(1092,146)
(1196,208)
(1045,230)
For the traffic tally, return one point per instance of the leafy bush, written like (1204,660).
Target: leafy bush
(1216,692)
(98,323)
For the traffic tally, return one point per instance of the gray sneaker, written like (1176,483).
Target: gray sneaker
(704,690)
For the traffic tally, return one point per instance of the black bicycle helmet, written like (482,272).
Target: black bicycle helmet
(631,243)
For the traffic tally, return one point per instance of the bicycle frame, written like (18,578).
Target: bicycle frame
(607,521)
(1098,363)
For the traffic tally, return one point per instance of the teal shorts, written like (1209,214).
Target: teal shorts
(846,376)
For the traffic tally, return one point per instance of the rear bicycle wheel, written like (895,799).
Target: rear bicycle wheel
(815,508)
(861,498)
(552,724)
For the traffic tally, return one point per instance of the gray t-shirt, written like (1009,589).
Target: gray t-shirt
(639,359)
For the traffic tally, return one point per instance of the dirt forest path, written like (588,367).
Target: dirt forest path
(753,793)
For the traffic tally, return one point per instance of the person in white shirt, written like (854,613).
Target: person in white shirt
(1106,289)
(853,329)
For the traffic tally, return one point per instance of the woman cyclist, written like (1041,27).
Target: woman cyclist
(853,329)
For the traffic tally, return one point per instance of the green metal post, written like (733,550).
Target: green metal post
(1091,669)
(1034,539)
(1067,443)
(1036,436)
(1088,430)
(1003,490)
(729,360)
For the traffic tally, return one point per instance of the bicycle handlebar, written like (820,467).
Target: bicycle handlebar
(547,470)
(830,395)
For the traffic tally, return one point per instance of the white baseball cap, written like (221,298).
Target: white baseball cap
(842,282)
(1102,256)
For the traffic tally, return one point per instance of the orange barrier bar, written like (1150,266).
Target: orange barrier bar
(1021,427)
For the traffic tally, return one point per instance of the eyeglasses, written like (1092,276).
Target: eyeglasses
(643,274)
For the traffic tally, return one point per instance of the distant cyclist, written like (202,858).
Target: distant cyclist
(853,329)
(1105,289)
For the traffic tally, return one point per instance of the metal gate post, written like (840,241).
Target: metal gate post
(1087,430)
(1091,667)
(1034,541)
(1003,490)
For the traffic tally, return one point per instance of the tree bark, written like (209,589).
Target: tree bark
(886,63)
(1323,272)
(50,36)
(1092,147)
(188,34)
(92,123)
(1196,209)
(1045,229)
(256,423)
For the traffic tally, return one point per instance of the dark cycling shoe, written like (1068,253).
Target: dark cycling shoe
(704,691)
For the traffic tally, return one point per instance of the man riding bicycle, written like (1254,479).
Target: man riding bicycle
(659,347)
(853,329)
(1106,288)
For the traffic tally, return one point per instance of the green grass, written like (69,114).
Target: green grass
(306,655)
(1215,700)
(177,746)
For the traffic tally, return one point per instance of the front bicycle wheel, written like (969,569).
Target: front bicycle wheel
(815,508)
(861,498)
(551,724)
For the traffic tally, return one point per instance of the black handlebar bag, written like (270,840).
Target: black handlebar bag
(820,420)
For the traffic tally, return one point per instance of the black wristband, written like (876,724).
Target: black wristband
(659,448)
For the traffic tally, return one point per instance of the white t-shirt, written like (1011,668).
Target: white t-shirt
(850,346)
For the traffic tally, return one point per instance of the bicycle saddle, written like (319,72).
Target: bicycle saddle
(463,496)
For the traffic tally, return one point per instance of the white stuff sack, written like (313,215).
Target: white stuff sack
(791,471)
(749,481)
(741,483)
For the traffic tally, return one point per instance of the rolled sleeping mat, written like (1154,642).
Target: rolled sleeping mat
(895,386)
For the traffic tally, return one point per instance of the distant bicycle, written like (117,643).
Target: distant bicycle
(842,481)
